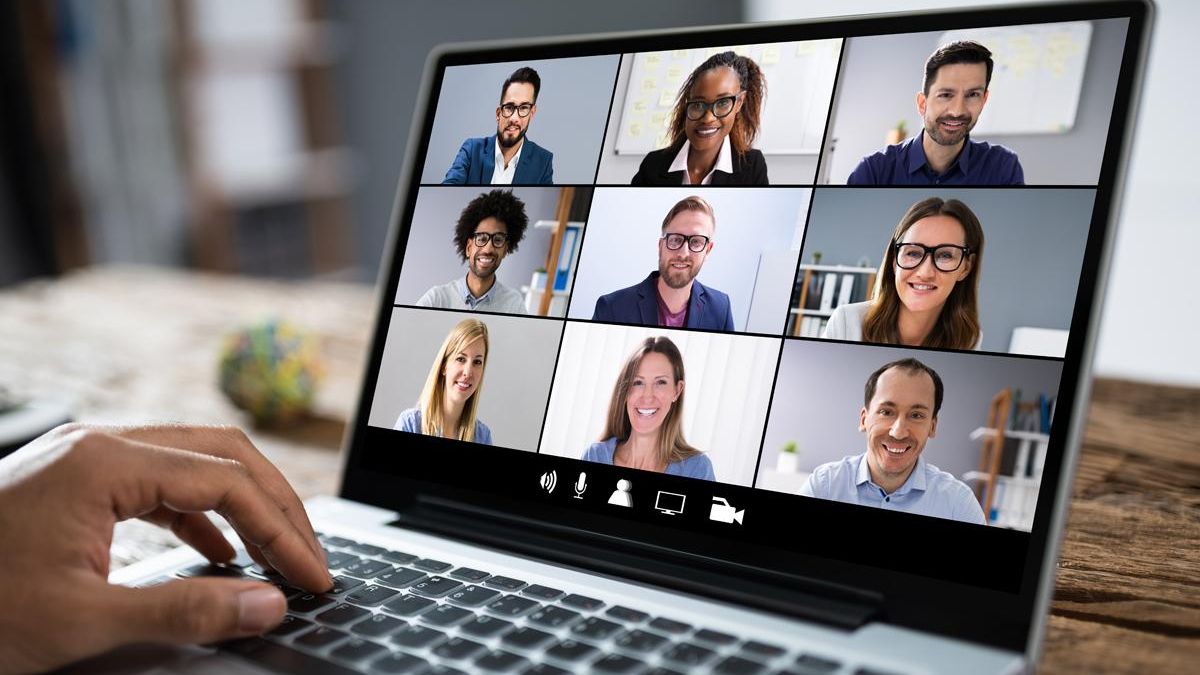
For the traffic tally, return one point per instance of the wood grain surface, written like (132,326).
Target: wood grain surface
(130,344)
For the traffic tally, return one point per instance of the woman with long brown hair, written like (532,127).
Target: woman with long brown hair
(926,292)
(717,115)
(449,403)
(644,427)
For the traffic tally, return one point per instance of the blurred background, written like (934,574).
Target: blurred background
(264,138)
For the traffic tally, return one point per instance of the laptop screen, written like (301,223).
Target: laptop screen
(812,297)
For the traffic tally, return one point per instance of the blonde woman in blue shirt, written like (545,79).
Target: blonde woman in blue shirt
(644,427)
(450,399)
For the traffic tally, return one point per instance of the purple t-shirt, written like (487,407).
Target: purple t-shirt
(666,317)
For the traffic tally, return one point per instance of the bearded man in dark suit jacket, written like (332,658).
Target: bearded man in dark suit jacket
(507,157)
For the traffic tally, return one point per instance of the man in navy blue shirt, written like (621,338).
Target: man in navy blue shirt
(954,93)
(508,157)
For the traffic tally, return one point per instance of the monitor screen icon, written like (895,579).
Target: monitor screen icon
(669,503)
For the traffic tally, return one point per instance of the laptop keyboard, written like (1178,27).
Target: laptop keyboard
(393,612)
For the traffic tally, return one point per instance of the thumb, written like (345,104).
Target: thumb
(200,610)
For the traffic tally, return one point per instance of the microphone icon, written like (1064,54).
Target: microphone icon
(580,485)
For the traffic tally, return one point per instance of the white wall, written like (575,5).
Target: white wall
(722,373)
(1147,332)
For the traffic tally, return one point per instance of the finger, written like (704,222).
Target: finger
(195,530)
(231,443)
(187,611)
(139,478)
(256,555)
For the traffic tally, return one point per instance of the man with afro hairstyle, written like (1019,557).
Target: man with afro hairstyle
(490,226)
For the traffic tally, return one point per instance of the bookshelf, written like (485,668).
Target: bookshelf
(1008,490)
(822,288)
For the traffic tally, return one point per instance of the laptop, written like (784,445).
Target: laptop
(687,357)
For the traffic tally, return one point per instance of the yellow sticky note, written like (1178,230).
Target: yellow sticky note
(674,72)
(635,130)
(770,55)
(658,119)
(649,84)
(805,48)
(639,105)
(667,99)
(653,58)
(679,54)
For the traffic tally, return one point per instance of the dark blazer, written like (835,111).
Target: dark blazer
(477,158)
(748,170)
(708,307)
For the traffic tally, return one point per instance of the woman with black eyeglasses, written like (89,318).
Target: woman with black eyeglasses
(715,121)
(926,292)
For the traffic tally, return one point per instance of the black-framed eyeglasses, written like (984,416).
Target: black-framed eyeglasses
(522,110)
(946,257)
(696,242)
(720,108)
(498,239)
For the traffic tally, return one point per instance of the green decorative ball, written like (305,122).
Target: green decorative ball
(271,370)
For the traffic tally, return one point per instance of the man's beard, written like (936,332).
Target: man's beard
(934,131)
(505,142)
(674,278)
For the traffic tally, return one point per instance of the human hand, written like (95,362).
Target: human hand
(60,497)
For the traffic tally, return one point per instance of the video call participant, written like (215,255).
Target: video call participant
(713,126)
(644,428)
(508,157)
(450,398)
(671,297)
(955,90)
(899,415)
(489,228)
(926,292)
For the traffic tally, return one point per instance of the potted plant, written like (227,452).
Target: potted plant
(788,460)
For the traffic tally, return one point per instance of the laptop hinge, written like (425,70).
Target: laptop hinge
(768,590)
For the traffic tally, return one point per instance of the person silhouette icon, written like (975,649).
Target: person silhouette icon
(620,496)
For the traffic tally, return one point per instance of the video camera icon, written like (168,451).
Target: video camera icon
(723,512)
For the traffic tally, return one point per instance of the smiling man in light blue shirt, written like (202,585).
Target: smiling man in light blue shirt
(900,406)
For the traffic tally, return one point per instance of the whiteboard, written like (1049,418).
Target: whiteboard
(1037,78)
(799,79)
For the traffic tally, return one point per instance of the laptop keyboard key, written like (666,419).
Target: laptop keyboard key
(713,637)
(526,638)
(211,570)
(484,627)
(596,629)
(340,542)
(377,626)
(468,574)
(553,616)
(670,626)
(369,596)
(431,565)
(284,659)
(366,569)
(458,649)
(398,662)
(576,601)
(512,606)
(342,584)
(544,669)
(736,665)
(399,578)
(570,651)
(817,664)
(472,596)
(445,616)
(416,637)
(321,636)
(398,557)
(309,602)
(339,559)
(290,624)
(357,649)
(507,584)
(435,587)
(341,615)
(367,549)
(615,663)
(640,641)
(688,654)
(408,605)
(762,649)
(500,662)
(626,614)
(542,592)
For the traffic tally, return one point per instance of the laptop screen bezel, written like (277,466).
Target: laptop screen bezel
(943,606)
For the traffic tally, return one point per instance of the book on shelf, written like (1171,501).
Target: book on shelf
(846,292)
(827,291)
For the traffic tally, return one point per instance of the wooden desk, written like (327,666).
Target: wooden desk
(136,344)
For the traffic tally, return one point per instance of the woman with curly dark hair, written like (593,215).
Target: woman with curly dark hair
(713,126)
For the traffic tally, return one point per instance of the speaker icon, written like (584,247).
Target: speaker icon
(549,481)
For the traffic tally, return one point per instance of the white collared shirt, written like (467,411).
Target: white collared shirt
(501,175)
(724,162)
